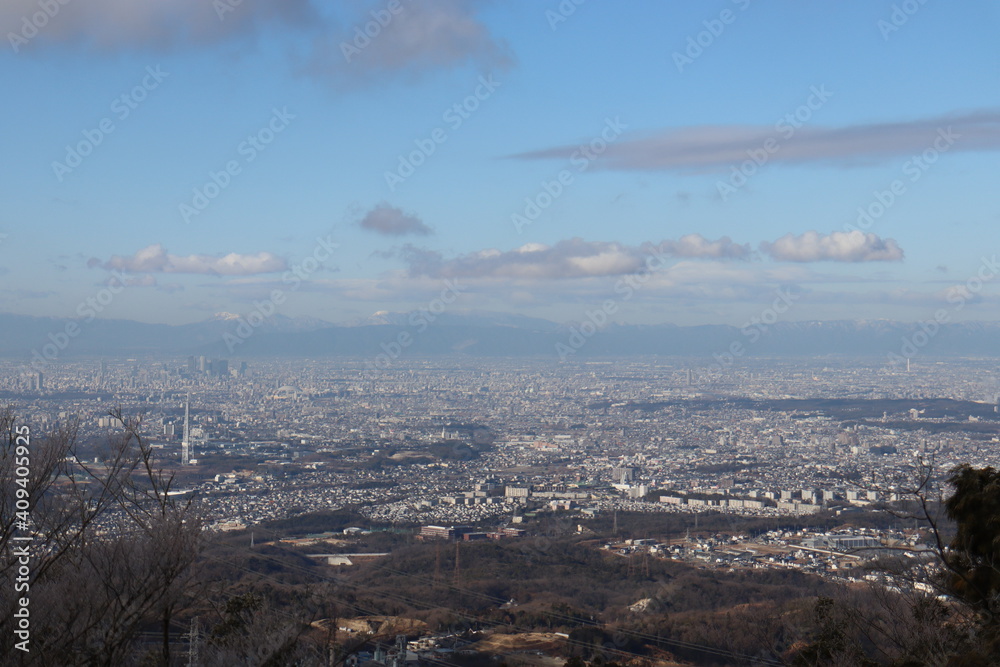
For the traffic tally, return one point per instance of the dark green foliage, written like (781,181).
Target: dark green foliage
(974,556)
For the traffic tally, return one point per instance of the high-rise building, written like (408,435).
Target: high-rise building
(37,381)
(622,475)
(186,441)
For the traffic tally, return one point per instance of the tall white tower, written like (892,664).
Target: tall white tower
(186,441)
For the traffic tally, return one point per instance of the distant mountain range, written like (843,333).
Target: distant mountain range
(479,334)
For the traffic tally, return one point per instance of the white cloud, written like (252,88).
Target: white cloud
(155,259)
(852,246)
(576,258)
(696,245)
(573,258)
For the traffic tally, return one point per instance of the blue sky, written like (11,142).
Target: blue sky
(646,110)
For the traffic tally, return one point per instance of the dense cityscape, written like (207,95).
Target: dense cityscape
(455,333)
(434,441)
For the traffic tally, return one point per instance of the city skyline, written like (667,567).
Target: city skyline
(460,332)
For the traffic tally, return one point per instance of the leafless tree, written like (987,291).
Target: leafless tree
(111,552)
(925,605)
